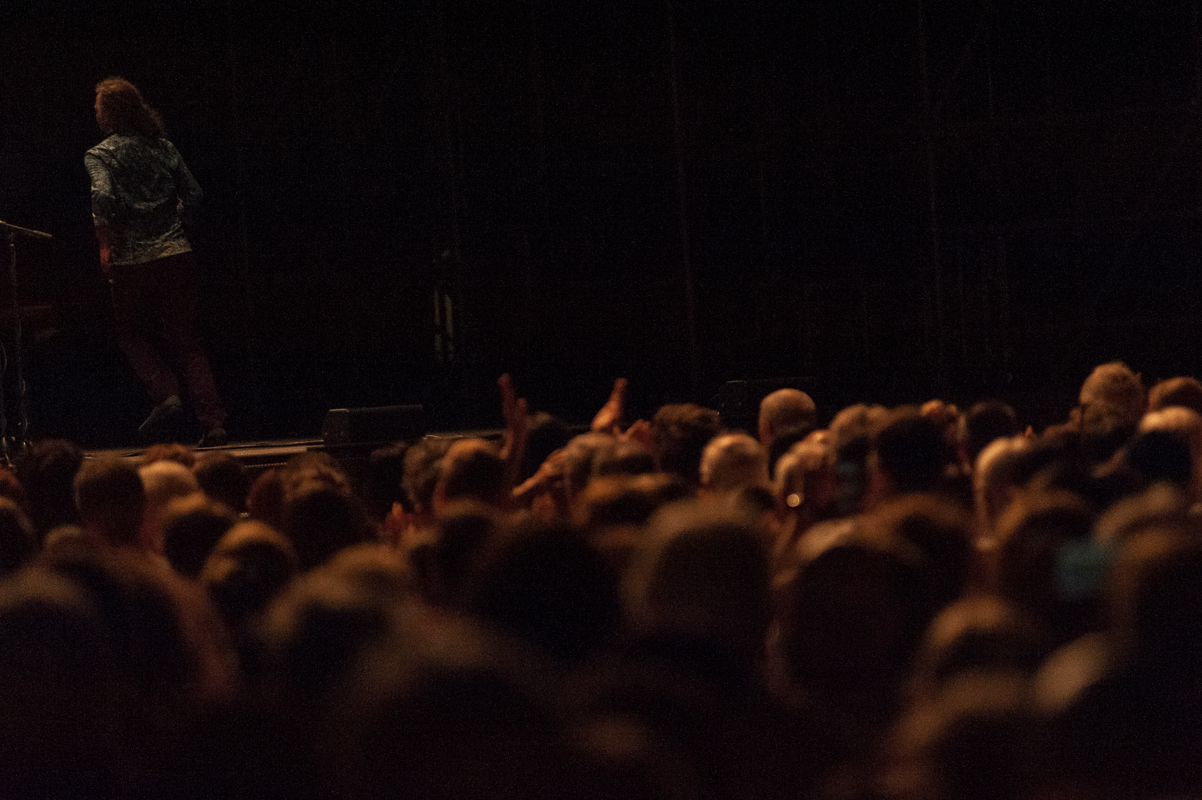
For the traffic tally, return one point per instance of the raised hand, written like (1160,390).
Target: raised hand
(609,418)
(517,426)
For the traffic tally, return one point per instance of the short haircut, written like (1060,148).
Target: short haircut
(381,480)
(320,520)
(798,472)
(472,470)
(984,423)
(1161,455)
(911,449)
(250,565)
(192,526)
(1154,591)
(702,573)
(548,586)
(1117,386)
(996,477)
(110,499)
(164,481)
(682,431)
(782,442)
(224,479)
(733,461)
(1184,422)
(47,473)
(462,532)
(1037,533)
(1183,391)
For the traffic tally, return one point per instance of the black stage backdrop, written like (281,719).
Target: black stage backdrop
(896,199)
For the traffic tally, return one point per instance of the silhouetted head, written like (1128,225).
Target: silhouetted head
(681,433)
(701,574)
(437,711)
(546,585)
(976,635)
(47,473)
(224,479)
(472,469)
(320,520)
(247,568)
(546,434)
(623,457)
(1184,391)
(111,500)
(192,526)
(851,615)
(978,739)
(381,481)
(911,452)
(1048,564)
(984,423)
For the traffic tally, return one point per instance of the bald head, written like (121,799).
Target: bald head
(785,409)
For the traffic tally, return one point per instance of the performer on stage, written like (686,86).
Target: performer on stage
(141,190)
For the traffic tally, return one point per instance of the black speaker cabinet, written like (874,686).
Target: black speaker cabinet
(369,426)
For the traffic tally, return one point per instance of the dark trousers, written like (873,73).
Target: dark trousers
(165,290)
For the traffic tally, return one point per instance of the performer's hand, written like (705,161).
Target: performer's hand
(106,253)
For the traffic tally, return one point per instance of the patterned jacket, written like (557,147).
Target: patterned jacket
(141,190)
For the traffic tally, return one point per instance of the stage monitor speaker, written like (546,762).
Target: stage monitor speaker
(373,426)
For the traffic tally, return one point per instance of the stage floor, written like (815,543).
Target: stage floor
(262,455)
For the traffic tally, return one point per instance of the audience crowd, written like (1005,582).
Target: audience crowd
(913,603)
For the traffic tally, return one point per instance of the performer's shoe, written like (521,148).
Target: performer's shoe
(165,413)
(214,437)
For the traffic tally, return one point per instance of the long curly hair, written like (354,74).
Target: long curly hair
(121,109)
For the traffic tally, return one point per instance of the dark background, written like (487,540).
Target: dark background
(895,200)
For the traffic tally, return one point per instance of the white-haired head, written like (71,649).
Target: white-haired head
(733,461)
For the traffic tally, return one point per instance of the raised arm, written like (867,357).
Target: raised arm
(517,426)
(609,418)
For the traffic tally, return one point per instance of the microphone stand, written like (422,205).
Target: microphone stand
(10,233)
